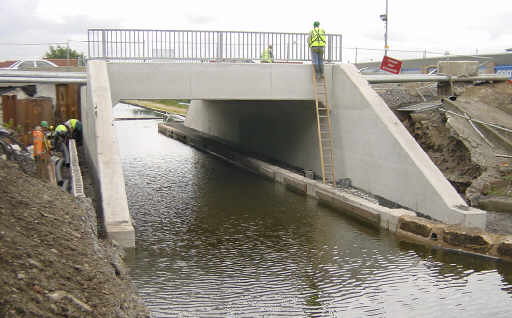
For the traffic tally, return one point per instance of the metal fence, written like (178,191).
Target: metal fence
(204,46)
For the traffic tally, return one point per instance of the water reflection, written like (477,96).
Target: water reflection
(217,241)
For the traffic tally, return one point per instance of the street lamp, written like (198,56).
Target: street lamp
(384,17)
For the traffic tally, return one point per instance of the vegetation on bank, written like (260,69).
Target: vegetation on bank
(175,106)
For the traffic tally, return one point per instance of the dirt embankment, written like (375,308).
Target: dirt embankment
(465,152)
(51,262)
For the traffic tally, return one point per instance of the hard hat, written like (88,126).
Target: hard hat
(316,23)
(44,124)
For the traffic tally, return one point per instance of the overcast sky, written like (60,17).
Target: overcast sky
(459,27)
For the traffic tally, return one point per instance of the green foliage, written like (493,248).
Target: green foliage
(173,102)
(60,52)
(10,124)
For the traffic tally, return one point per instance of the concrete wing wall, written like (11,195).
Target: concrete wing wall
(103,151)
(379,155)
(210,81)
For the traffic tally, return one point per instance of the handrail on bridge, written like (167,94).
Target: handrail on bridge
(204,46)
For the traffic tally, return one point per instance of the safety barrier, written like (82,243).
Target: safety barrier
(204,46)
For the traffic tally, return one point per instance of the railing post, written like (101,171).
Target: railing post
(220,44)
(104,44)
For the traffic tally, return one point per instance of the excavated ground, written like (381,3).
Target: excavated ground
(466,159)
(52,264)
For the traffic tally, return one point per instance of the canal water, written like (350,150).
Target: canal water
(217,241)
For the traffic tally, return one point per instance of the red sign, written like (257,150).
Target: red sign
(391,65)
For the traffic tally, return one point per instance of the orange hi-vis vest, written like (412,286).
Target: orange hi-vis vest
(38,137)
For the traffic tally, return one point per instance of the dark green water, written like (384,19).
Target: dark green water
(216,241)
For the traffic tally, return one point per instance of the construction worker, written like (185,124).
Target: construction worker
(268,55)
(316,42)
(75,129)
(61,136)
(40,151)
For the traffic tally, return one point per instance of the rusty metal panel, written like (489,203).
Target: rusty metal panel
(68,102)
(9,109)
(30,113)
(61,100)
(74,101)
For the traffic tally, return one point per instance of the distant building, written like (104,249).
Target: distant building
(6,64)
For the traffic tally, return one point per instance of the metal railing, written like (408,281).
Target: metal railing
(204,46)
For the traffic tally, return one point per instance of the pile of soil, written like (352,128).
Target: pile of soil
(447,152)
(52,264)
(483,179)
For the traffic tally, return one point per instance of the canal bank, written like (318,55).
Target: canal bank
(52,263)
(405,223)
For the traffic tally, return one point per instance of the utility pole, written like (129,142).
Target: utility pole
(384,17)
(67,54)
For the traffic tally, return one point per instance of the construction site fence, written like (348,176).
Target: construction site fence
(205,46)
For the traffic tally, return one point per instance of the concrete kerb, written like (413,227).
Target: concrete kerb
(76,175)
(454,237)
(404,223)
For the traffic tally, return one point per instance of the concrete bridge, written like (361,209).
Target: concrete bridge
(269,109)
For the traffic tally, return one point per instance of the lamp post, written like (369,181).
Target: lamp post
(384,17)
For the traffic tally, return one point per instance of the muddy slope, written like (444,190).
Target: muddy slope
(51,264)
(458,149)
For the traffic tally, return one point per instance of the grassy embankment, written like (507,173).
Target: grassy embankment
(166,105)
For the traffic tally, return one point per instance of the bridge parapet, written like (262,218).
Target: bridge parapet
(204,46)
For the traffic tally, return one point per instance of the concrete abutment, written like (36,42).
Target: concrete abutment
(268,109)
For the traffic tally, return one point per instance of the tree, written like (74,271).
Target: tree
(61,52)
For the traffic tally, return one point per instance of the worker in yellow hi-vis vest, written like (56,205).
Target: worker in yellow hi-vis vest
(267,56)
(75,130)
(316,42)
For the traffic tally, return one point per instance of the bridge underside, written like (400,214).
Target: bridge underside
(268,109)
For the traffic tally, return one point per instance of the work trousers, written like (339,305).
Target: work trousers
(317,55)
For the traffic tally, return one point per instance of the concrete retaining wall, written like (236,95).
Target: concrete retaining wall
(379,155)
(103,153)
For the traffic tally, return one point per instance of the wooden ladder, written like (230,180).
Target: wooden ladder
(323,119)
